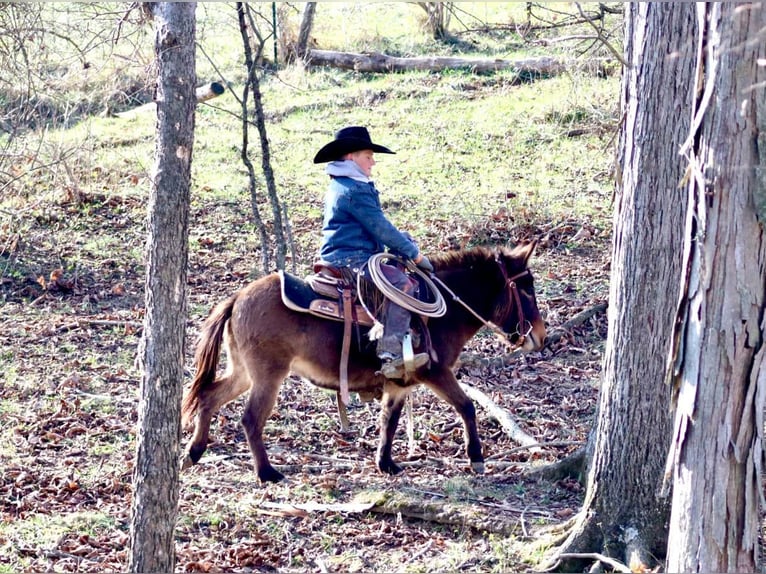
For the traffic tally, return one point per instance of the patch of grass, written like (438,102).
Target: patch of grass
(42,532)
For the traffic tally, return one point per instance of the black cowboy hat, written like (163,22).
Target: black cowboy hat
(347,140)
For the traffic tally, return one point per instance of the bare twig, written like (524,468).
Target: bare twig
(602,39)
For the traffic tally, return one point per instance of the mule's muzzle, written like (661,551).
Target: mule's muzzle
(534,340)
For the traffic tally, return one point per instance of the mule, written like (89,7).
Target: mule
(265,341)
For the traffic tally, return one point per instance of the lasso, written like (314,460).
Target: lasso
(437,308)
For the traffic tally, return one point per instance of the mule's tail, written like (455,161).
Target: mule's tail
(206,357)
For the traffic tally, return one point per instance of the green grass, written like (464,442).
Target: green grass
(42,531)
(468,144)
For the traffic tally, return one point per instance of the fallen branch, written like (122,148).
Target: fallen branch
(79,323)
(203,94)
(305,508)
(510,426)
(468,359)
(612,563)
(534,445)
(442,512)
(503,507)
(556,334)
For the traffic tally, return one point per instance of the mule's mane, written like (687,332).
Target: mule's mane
(473,257)
(482,263)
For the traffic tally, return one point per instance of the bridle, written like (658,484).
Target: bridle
(510,283)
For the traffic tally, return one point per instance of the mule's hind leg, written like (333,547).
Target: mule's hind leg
(444,384)
(260,403)
(391,409)
(212,398)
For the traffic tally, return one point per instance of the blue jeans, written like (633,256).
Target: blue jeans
(396,321)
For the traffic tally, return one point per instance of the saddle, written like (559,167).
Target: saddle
(323,294)
(332,294)
(329,294)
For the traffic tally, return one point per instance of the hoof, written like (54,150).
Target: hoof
(270,474)
(390,468)
(186,462)
(478,467)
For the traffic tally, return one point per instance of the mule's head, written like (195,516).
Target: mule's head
(519,316)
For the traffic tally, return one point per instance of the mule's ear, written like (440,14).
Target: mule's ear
(525,251)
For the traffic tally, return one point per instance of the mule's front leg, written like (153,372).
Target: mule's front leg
(391,409)
(445,385)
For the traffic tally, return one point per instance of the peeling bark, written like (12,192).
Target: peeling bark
(622,516)
(719,375)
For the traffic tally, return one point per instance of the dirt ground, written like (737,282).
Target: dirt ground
(69,412)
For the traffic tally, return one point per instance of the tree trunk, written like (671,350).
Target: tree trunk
(719,377)
(622,516)
(307,23)
(438,17)
(155,474)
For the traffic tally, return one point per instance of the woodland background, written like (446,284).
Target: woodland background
(482,158)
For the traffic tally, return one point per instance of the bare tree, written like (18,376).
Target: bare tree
(622,516)
(246,23)
(718,370)
(307,22)
(437,18)
(155,474)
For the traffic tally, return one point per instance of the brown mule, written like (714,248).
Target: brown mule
(265,341)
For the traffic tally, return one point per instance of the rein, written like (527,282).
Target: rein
(510,283)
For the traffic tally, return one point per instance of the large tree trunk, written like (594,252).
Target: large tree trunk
(155,474)
(622,516)
(719,374)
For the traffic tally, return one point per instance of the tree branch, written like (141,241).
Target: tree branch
(511,428)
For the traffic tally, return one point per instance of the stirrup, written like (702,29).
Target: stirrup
(394,368)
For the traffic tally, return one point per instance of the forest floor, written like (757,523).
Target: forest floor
(69,403)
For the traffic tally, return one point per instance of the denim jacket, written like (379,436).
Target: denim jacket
(355,227)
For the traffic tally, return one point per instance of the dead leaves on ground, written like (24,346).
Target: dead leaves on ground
(68,446)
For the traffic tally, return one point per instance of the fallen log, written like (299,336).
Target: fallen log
(203,94)
(209,91)
(377,62)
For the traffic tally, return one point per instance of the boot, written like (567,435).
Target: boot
(396,325)
(393,368)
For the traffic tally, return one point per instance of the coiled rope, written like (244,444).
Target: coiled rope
(437,308)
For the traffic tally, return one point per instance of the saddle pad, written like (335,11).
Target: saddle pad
(299,296)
